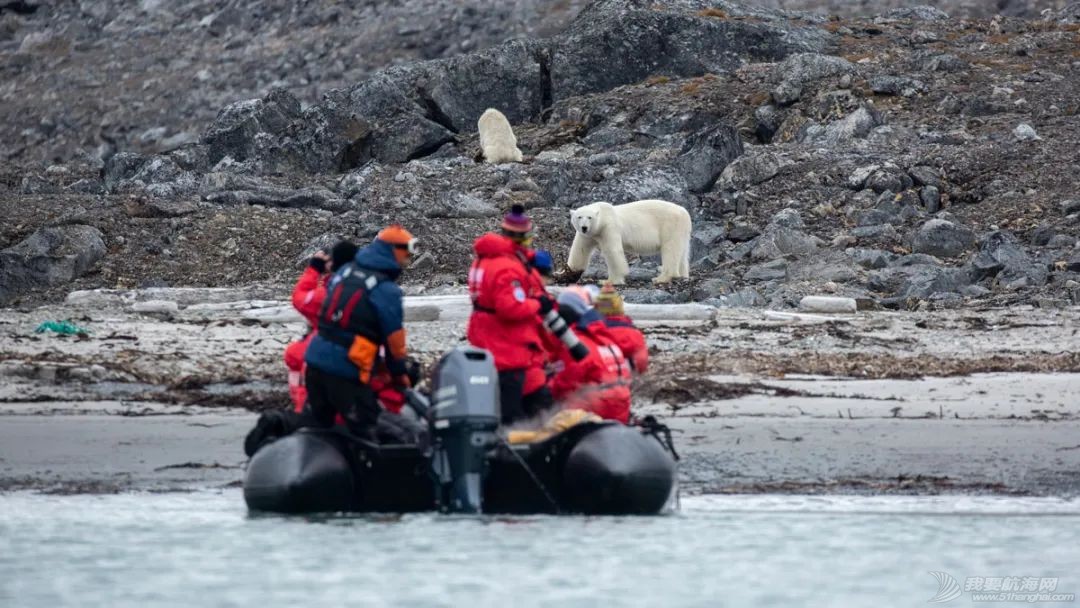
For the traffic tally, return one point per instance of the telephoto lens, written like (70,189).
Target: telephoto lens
(558,326)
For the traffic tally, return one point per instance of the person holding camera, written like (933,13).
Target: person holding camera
(507,317)
(307,299)
(600,381)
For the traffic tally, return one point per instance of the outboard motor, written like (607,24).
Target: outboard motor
(464,418)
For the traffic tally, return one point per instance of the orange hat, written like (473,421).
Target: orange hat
(398,236)
(609,302)
(403,241)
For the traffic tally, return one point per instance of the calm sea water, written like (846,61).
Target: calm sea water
(203,549)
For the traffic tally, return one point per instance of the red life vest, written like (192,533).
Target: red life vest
(600,383)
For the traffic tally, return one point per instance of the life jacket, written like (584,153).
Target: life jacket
(600,383)
(348,319)
(630,340)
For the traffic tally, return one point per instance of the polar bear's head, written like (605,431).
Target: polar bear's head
(588,220)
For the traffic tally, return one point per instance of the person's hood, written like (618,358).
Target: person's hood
(492,245)
(593,322)
(379,256)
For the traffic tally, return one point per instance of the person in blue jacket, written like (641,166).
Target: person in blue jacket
(360,327)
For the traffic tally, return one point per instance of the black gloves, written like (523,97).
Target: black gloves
(546,304)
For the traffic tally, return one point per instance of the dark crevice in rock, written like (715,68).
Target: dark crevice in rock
(435,114)
(19,7)
(356,154)
(429,149)
(543,57)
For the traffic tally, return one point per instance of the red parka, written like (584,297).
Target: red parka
(630,340)
(599,383)
(505,318)
(307,299)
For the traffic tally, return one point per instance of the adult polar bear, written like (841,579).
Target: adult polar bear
(497,141)
(643,227)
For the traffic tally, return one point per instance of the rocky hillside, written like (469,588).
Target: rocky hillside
(90,77)
(908,158)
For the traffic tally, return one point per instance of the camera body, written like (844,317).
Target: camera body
(557,325)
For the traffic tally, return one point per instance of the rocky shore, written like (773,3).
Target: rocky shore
(167,168)
(158,388)
(910,159)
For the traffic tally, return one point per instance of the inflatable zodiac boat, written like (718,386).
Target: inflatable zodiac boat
(462,465)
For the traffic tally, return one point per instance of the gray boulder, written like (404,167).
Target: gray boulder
(942,238)
(459,205)
(787,217)
(233,133)
(617,42)
(940,62)
(508,78)
(926,176)
(931,199)
(856,125)
(747,297)
(889,178)
(800,71)
(122,167)
(919,281)
(711,288)
(755,167)
(882,234)
(48,257)
(388,125)
(918,13)
(229,189)
(780,242)
(902,86)
(871,259)
(706,154)
(776,270)
(1002,257)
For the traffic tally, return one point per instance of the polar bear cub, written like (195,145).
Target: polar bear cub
(497,140)
(643,227)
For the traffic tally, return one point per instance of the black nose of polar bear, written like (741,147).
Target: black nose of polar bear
(584,229)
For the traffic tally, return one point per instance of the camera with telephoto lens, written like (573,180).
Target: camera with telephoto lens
(557,325)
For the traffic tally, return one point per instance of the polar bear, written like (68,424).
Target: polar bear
(497,141)
(643,227)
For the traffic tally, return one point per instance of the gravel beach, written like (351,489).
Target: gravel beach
(949,401)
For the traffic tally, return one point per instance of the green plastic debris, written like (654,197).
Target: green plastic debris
(64,328)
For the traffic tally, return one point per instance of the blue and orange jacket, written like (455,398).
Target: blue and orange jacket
(350,349)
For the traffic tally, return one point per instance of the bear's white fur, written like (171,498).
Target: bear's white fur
(497,140)
(643,227)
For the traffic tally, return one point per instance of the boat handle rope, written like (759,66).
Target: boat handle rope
(653,426)
(532,475)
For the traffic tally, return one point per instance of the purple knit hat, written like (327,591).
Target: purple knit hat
(516,220)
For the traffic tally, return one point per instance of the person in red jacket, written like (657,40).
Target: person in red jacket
(307,299)
(508,308)
(629,338)
(599,383)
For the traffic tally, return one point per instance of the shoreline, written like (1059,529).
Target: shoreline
(159,399)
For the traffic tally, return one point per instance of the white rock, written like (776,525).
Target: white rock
(859,177)
(156,306)
(828,304)
(1026,132)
